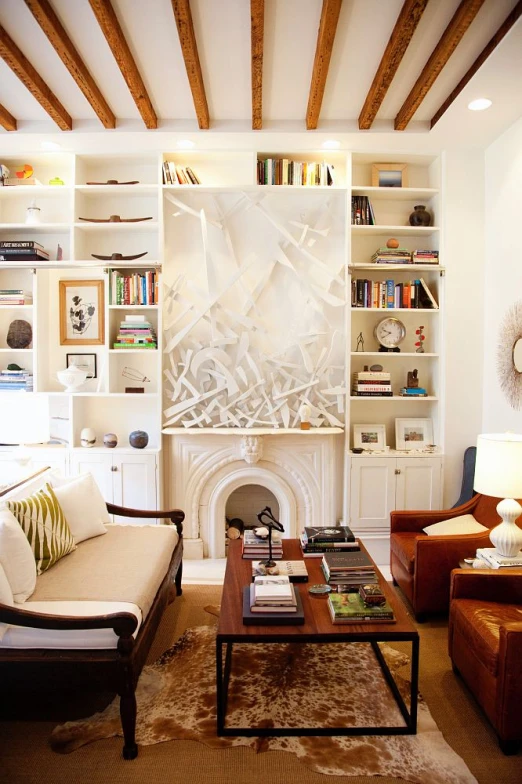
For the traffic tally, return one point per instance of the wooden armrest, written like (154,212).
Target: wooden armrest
(492,585)
(123,623)
(417,520)
(176,516)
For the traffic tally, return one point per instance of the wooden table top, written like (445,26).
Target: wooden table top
(318,623)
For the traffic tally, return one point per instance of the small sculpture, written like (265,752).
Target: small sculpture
(360,342)
(114,219)
(139,439)
(420,340)
(118,257)
(110,440)
(87,437)
(268,521)
(413,379)
(304,413)
(56,181)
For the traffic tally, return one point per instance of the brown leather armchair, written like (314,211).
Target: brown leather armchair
(421,565)
(485,645)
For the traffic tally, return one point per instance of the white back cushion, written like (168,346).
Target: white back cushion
(83,506)
(16,557)
(463,524)
(6,597)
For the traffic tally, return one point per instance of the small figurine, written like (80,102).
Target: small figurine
(420,340)
(413,379)
(360,342)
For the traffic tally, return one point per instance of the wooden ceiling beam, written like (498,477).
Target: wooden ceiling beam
(400,38)
(7,121)
(257,30)
(28,75)
(46,17)
(463,17)
(189,48)
(323,53)
(504,28)
(110,27)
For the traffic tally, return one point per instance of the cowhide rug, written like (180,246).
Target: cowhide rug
(282,685)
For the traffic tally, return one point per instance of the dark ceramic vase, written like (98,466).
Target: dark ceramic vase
(420,216)
(139,439)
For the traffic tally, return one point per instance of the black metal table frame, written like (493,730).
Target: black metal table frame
(410,717)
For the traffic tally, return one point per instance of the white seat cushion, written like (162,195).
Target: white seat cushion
(463,524)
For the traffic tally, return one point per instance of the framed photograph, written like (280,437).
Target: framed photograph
(84,362)
(413,433)
(81,313)
(369,436)
(390,175)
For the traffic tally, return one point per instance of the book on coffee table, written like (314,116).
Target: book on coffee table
(295,617)
(296,571)
(350,608)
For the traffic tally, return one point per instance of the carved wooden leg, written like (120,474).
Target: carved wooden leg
(128,722)
(177,579)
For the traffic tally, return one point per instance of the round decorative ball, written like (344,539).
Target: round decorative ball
(392,243)
(87,437)
(19,334)
(139,439)
(110,440)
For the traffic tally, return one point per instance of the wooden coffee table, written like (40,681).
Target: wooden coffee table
(318,628)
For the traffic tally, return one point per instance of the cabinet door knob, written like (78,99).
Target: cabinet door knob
(114,468)
(397,471)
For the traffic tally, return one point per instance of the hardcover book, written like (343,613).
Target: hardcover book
(350,608)
(296,571)
(318,534)
(295,618)
(346,561)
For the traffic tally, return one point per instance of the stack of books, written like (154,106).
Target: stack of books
(178,175)
(372,383)
(347,571)
(283,171)
(136,332)
(134,288)
(12,380)
(350,608)
(272,600)
(318,540)
(14,297)
(493,559)
(296,571)
(362,211)
(425,256)
(22,250)
(256,548)
(392,256)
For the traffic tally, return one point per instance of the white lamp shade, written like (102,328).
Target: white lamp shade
(24,418)
(498,466)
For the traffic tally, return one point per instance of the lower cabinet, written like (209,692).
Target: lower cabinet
(126,479)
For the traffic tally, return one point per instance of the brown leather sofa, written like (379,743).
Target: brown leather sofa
(421,565)
(485,645)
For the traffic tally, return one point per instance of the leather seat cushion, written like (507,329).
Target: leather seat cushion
(479,623)
(402,545)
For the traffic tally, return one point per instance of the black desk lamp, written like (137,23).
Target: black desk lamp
(267,519)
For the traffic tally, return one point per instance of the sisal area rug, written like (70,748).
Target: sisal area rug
(282,685)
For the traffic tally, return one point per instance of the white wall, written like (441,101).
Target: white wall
(503,272)
(463,256)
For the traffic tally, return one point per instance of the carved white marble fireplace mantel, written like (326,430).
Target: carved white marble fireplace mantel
(301,468)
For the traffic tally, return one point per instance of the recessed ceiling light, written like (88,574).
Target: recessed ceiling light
(479,104)
(331,144)
(185,144)
(46,145)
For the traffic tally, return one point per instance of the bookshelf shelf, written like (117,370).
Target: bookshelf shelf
(376,193)
(395,231)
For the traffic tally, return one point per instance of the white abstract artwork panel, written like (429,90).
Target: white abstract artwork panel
(254,309)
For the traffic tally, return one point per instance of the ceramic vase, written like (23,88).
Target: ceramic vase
(110,440)
(420,216)
(87,437)
(139,439)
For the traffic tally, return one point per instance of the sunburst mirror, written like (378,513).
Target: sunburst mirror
(509,355)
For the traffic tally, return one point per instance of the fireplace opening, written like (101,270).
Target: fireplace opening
(242,507)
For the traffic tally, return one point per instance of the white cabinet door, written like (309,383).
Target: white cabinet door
(418,483)
(134,483)
(372,492)
(99,465)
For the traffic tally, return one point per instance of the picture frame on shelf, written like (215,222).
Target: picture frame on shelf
(413,434)
(82,321)
(84,362)
(369,437)
(390,175)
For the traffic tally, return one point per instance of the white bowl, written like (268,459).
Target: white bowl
(72,378)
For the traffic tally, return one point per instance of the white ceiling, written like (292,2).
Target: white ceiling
(222,29)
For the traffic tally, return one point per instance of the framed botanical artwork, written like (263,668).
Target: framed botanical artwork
(81,313)
(369,437)
(390,175)
(84,362)
(413,433)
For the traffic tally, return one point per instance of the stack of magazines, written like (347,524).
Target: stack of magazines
(494,560)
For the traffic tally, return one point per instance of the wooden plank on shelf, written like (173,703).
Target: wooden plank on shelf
(463,17)
(189,48)
(504,28)
(323,52)
(7,121)
(257,29)
(55,32)
(110,27)
(29,76)
(400,38)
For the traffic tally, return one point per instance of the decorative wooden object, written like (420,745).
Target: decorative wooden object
(119,257)
(257,29)
(323,52)
(189,49)
(114,219)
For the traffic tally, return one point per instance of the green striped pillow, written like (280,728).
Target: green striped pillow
(45,526)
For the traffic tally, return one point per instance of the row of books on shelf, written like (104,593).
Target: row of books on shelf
(282,171)
(15,297)
(362,211)
(135,332)
(22,250)
(389,294)
(12,380)
(178,175)
(136,288)
(404,256)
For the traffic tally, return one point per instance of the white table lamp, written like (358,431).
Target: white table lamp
(24,420)
(498,473)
